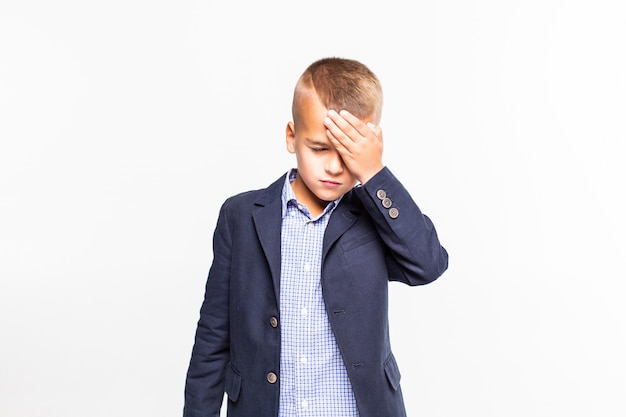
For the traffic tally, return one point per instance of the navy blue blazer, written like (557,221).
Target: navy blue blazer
(375,235)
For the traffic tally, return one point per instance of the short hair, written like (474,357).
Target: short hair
(343,84)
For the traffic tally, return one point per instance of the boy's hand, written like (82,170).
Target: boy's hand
(360,145)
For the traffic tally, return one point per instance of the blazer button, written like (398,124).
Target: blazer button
(381,194)
(274,322)
(272,378)
(386,202)
(393,213)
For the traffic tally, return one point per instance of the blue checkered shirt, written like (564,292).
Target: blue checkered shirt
(313,377)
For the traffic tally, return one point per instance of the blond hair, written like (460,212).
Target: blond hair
(342,84)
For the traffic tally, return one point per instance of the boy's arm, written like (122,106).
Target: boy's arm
(416,256)
(204,388)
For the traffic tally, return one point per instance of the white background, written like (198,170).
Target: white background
(125,124)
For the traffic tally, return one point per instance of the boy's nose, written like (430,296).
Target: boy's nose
(334,164)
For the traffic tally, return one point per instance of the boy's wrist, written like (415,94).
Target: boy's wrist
(364,178)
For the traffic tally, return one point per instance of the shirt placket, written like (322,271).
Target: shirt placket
(303,355)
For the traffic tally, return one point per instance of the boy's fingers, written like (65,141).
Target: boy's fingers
(349,134)
(332,137)
(344,124)
(349,117)
(376,130)
(355,127)
(336,134)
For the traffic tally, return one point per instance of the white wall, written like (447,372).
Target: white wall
(125,124)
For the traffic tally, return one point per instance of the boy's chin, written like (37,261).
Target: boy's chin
(328,196)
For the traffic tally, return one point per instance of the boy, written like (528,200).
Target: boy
(294,320)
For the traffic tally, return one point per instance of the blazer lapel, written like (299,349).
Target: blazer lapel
(344,216)
(267,221)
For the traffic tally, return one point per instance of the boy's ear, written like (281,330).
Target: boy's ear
(290,137)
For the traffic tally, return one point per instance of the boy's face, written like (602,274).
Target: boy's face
(322,175)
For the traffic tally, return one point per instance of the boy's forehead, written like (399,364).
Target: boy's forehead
(307,105)
(306,95)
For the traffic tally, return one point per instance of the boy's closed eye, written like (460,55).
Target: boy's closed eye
(318,145)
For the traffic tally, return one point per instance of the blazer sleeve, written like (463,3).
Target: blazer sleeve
(204,387)
(415,256)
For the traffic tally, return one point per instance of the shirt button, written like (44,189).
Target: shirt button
(311,225)
(274,322)
(305,403)
(300,207)
(307,266)
(272,378)
(303,360)
(292,214)
(304,311)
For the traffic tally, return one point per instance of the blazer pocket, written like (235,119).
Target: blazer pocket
(233,383)
(392,372)
(359,246)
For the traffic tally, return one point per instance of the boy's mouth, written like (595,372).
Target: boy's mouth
(329,183)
